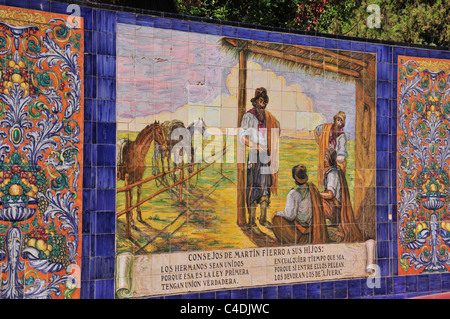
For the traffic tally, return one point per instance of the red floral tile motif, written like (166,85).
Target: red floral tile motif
(423,158)
(41,132)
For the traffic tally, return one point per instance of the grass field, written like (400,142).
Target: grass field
(206,217)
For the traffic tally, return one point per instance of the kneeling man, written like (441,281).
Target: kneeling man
(303,220)
(336,201)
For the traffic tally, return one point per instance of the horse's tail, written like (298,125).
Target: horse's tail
(119,156)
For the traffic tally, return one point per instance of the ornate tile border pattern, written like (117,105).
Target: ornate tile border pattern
(41,155)
(423,162)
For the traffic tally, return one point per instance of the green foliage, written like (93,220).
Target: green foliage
(404,264)
(3,229)
(411,21)
(210,9)
(276,13)
(25,227)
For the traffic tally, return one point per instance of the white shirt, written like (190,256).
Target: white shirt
(341,144)
(298,208)
(249,127)
(334,184)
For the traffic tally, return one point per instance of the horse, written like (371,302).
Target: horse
(170,128)
(195,128)
(131,157)
(161,153)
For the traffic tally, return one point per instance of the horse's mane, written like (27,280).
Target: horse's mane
(144,133)
(169,126)
(193,126)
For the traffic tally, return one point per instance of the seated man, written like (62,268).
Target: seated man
(302,221)
(336,201)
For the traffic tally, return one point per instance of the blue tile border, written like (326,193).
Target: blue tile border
(354,288)
(327,290)
(341,289)
(285,292)
(299,291)
(269,292)
(313,290)
(98,219)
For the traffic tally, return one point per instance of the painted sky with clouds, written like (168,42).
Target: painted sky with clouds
(167,74)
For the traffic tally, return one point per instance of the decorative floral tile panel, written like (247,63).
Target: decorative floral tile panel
(423,158)
(41,136)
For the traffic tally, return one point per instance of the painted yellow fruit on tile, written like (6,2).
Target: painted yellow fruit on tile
(5,182)
(15,190)
(419,228)
(30,194)
(31,242)
(41,245)
(17,78)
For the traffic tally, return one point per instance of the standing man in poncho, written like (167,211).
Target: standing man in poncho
(259,132)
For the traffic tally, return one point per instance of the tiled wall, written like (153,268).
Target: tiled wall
(98,231)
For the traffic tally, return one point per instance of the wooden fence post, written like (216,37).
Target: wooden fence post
(180,195)
(127,205)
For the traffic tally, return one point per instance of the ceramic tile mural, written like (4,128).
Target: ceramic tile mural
(41,136)
(423,162)
(241,163)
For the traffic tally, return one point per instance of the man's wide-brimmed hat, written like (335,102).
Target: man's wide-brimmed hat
(340,115)
(299,174)
(260,92)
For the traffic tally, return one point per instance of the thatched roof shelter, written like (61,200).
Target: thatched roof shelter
(338,64)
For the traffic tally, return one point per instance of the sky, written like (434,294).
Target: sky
(167,74)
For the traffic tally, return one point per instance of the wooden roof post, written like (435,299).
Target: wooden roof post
(365,146)
(242,97)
